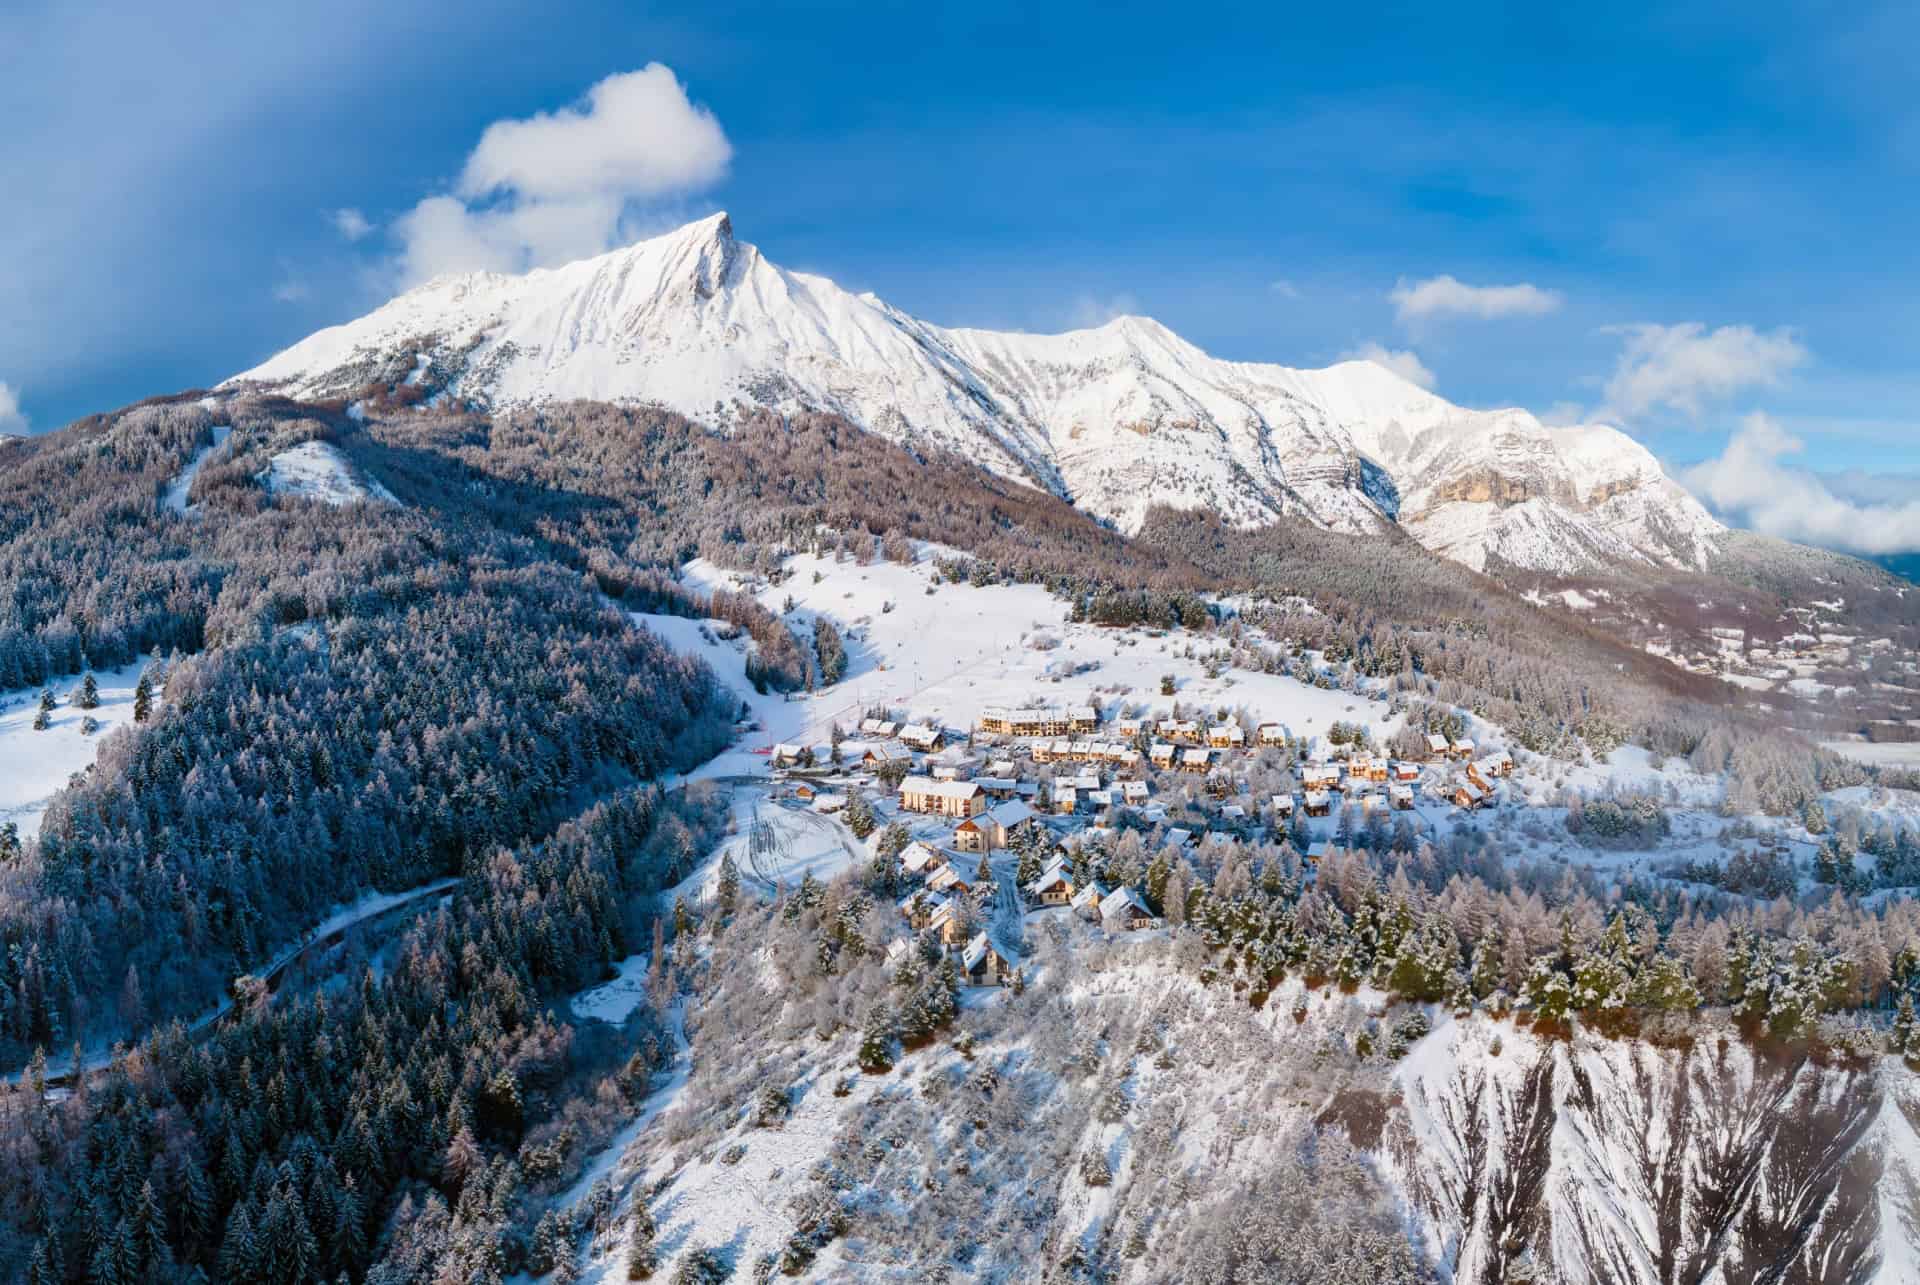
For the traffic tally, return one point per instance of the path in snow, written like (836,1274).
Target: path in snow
(174,498)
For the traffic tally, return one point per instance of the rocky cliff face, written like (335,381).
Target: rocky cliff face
(1116,418)
(1624,1162)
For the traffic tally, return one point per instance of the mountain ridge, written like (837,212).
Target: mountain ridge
(1116,418)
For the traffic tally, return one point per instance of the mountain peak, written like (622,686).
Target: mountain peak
(1117,418)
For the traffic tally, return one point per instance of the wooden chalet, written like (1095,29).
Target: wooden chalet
(1468,795)
(881,753)
(1318,802)
(1497,764)
(1405,771)
(919,736)
(1054,887)
(1401,797)
(1226,736)
(1437,745)
(1161,754)
(983,965)
(1195,760)
(1065,799)
(1082,720)
(994,828)
(1123,908)
(1270,734)
(1283,806)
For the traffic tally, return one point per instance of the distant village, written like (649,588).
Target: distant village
(1033,783)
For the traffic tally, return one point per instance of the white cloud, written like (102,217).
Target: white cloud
(564,185)
(1403,362)
(12,419)
(350,223)
(1748,484)
(1285,289)
(1448,296)
(1685,366)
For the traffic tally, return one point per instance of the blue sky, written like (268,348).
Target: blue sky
(1714,203)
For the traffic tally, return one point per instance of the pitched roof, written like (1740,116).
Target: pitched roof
(939,789)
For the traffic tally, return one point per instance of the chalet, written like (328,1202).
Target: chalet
(1226,736)
(1270,734)
(1468,795)
(1233,812)
(804,792)
(1129,759)
(998,787)
(1180,731)
(983,965)
(1087,898)
(1319,776)
(918,858)
(1085,781)
(881,753)
(1498,764)
(1065,799)
(1080,749)
(920,907)
(1283,806)
(1153,812)
(949,880)
(943,798)
(1123,908)
(946,921)
(1400,796)
(1134,792)
(1437,745)
(1000,767)
(1367,767)
(1478,777)
(1463,749)
(1405,771)
(786,754)
(1054,887)
(1369,801)
(1177,839)
(1082,719)
(1318,802)
(918,736)
(827,804)
(878,728)
(1195,760)
(1129,728)
(1161,755)
(994,828)
(1317,852)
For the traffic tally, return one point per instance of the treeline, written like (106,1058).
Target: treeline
(392,1130)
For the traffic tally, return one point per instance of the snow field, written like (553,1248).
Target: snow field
(318,471)
(34,766)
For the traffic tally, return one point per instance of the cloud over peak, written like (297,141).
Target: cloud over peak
(564,185)
(1403,362)
(1448,296)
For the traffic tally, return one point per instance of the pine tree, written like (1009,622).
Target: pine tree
(1903,1025)
(9,840)
(89,697)
(142,698)
(643,1259)
(859,816)
(727,892)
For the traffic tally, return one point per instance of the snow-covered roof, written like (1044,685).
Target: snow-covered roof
(1123,901)
(1436,743)
(917,856)
(1011,813)
(1195,756)
(939,789)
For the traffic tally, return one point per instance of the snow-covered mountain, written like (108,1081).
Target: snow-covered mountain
(1116,418)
